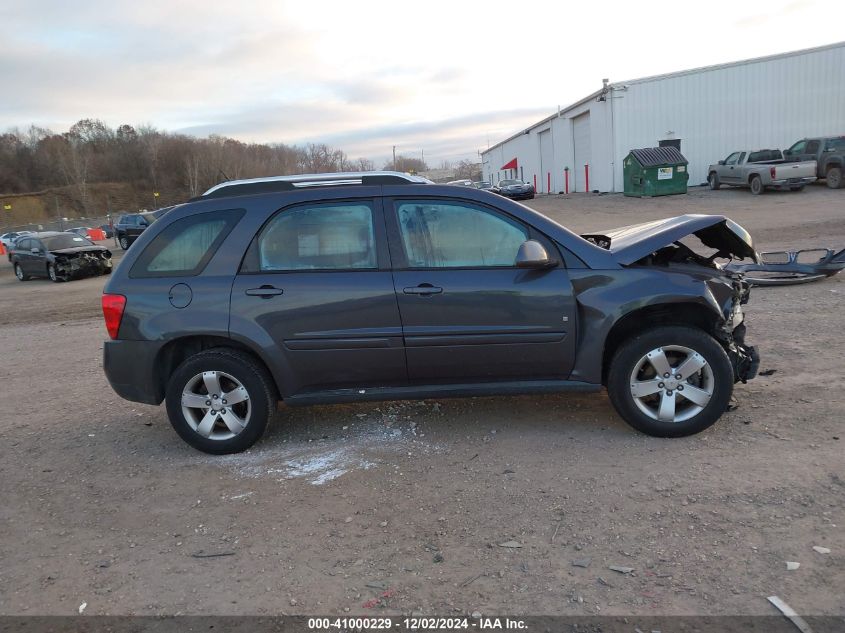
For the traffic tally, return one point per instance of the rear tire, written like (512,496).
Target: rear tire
(713,181)
(834,177)
(711,384)
(124,242)
(756,185)
(20,274)
(235,371)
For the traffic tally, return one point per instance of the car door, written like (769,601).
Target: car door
(729,172)
(811,150)
(316,285)
(36,262)
(468,314)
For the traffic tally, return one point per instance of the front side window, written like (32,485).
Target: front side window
(185,247)
(456,235)
(329,236)
(812,147)
(733,159)
(798,148)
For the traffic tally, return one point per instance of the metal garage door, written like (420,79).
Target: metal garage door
(546,161)
(581,143)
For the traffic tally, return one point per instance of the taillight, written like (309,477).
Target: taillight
(772,172)
(113,306)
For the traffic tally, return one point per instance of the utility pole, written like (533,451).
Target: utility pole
(58,214)
(394,159)
(422,157)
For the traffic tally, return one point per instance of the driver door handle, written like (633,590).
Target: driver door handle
(422,289)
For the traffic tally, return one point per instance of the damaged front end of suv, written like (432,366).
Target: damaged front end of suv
(661,245)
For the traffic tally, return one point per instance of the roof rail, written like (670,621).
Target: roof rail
(272,184)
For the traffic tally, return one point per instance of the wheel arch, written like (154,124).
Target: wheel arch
(176,351)
(688,314)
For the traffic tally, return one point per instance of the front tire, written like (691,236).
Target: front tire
(219,401)
(645,390)
(53,275)
(756,185)
(834,177)
(713,181)
(124,242)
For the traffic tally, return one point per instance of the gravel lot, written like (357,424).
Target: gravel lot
(405,507)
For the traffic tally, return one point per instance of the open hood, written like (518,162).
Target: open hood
(631,243)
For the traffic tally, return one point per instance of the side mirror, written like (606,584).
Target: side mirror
(532,254)
(787,152)
(721,162)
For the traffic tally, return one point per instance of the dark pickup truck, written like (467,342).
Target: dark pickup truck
(827,151)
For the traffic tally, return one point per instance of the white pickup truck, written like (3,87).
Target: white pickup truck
(761,169)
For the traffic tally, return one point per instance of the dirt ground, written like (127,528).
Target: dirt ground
(409,507)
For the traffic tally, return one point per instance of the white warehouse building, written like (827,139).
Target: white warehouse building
(764,103)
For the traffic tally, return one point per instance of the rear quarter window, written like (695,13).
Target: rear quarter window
(184,248)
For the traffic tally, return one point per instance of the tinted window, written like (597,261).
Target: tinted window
(812,147)
(332,236)
(185,247)
(457,235)
(23,245)
(835,144)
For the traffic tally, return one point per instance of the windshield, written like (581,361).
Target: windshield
(68,240)
(505,183)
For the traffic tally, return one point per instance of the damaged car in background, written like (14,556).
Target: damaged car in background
(59,257)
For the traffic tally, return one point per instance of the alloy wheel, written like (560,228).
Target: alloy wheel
(672,383)
(216,405)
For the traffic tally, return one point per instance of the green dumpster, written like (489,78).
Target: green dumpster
(655,171)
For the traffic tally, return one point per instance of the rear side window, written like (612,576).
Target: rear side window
(329,236)
(185,247)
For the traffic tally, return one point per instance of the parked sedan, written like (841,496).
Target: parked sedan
(59,256)
(514,189)
(8,239)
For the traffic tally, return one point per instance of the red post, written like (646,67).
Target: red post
(587,178)
(548,182)
(535,182)
(566,177)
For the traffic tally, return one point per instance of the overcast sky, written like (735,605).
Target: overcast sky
(445,78)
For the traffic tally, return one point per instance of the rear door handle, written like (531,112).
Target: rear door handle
(423,289)
(265,292)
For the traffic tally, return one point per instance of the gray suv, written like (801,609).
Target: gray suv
(376,286)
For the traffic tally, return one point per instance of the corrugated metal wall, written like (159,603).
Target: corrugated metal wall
(761,104)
